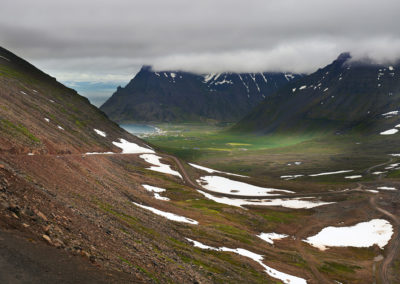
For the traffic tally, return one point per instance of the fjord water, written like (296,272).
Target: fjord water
(139,129)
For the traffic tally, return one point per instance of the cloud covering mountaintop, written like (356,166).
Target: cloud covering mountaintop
(95,41)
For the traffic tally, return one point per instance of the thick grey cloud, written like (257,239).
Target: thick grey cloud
(108,41)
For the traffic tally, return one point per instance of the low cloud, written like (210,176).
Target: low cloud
(108,41)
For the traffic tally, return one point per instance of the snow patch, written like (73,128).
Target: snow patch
(168,215)
(99,132)
(59,127)
(213,171)
(131,148)
(389,132)
(294,203)
(353,177)
(395,112)
(387,188)
(270,237)
(232,187)
(285,278)
(365,234)
(158,166)
(156,191)
(48,120)
(330,173)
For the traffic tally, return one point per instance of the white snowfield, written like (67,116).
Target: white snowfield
(99,153)
(353,177)
(208,170)
(365,234)
(232,187)
(386,188)
(330,173)
(156,191)
(389,132)
(285,278)
(99,132)
(270,237)
(395,112)
(158,166)
(126,146)
(168,215)
(131,148)
(288,177)
(294,203)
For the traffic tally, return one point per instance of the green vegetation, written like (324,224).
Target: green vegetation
(337,268)
(20,129)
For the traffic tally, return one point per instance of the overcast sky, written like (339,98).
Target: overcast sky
(98,41)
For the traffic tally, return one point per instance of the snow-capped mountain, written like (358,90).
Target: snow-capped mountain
(344,95)
(182,96)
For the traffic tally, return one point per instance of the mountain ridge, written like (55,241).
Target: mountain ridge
(177,96)
(343,95)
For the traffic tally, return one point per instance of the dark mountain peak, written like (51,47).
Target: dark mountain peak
(146,68)
(343,57)
(343,95)
(168,95)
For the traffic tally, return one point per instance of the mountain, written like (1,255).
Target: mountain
(167,96)
(81,203)
(345,95)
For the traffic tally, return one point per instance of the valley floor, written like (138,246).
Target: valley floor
(156,218)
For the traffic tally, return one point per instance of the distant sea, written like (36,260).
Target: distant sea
(139,129)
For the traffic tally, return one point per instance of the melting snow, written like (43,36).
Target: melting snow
(22,92)
(291,176)
(232,187)
(99,132)
(353,177)
(48,120)
(378,173)
(285,278)
(294,203)
(131,148)
(247,87)
(365,234)
(289,76)
(265,79)
(389,132)
(303,87)
(156,191)
(59,127)
(395,112)
(158,166)
(168,215)
(99,153)
(213,171)
(391,68)
(386,188)
(270,237)
(330,173)
(326,89)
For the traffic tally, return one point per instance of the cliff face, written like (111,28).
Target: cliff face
(170,96)
(345,95)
